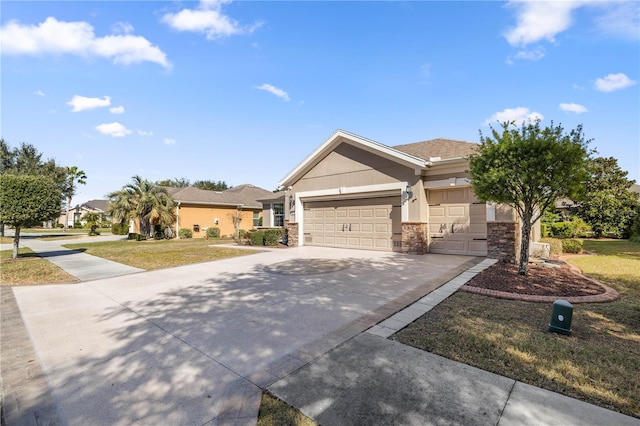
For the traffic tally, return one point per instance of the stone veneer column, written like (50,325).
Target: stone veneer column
(292,232)
(503,241)
(415,239)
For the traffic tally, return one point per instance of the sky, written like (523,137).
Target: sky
(243,91)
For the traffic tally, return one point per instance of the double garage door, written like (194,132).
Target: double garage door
(368,223)
(457,222)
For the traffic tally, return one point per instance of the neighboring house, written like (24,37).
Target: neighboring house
(230,210)
(95,206)
(353,192)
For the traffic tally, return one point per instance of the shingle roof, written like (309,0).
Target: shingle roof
(245,195)
(443,148)
(102,205)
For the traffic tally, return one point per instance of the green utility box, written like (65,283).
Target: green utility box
(561,317)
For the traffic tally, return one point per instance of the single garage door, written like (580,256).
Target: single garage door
(368,223)
(457,222)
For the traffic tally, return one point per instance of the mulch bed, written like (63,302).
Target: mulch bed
(541,281)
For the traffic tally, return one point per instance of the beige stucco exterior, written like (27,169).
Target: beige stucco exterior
(189,215)
(348,167)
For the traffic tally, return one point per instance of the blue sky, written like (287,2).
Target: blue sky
(244,91)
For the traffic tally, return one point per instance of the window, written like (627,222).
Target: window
(256,218)
(278,215)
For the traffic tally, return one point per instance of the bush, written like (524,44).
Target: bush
(572,246)
(242,233)
(272,236)
(555,245)
(213,232)
(185,233)
(257,238)
(562,230)
(119,229)
(576,227)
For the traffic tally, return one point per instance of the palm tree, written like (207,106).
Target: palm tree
(74,176)
(145,201)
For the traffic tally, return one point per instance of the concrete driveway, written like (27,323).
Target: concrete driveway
(194,344)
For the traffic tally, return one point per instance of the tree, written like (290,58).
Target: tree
(26,160)
(211,185)
(174,183)
(73,177)
(528,169)
(27,200)
(145,201)
(607,204)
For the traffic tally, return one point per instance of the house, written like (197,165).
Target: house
(353,192)
(230,210)
(94,206)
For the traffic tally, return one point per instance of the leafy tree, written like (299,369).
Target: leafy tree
(74,177)
(607,204)
(211,185)
(27,160)
(145,201)
(27,200)
(174,183)
(528,169)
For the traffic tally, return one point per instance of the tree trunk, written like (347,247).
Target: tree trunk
(16,243)
(523,268)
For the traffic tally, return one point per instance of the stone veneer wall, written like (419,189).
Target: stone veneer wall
(503,241)
(415,239)
(292,228)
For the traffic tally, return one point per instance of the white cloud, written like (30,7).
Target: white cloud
(117,110)
(519,115)
(77,38)
(612,82)
(114,129)
(621,18)
(169,141)
(144,133)
(82,103)
(274,90)
(528,55)
(208,18)
(577,108)
(539,20)
(122,28)
(38,92)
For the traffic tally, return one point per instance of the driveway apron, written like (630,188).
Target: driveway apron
(194,344)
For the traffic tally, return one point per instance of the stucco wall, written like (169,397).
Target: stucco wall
(190,215)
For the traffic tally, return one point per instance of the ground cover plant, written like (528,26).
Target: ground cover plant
(600,361)
(153,254)
(30,269)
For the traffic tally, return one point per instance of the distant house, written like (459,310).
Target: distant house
(234,209)
(95,206)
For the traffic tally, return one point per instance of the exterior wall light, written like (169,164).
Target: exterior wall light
(291,201)
(409,191)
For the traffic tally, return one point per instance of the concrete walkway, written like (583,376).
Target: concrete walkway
(197,344)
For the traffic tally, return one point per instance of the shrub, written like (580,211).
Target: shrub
(213,232)
(272,236)
(257,238)
(185,233)
(59,225)
(572,246)
(562,230)
(119,229)
(555,245)
(242,233)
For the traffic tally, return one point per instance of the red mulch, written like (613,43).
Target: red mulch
(541,281)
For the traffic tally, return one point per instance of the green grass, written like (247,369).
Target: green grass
(150,255)
(600,361)
(30,269)
(274,412)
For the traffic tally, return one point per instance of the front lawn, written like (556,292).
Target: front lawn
(600,361)
(30,269)
(159,254)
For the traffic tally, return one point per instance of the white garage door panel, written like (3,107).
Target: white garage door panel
(457,223)
(361,224)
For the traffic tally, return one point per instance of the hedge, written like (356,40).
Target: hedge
(213,232)
(185,233)
(572,246)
